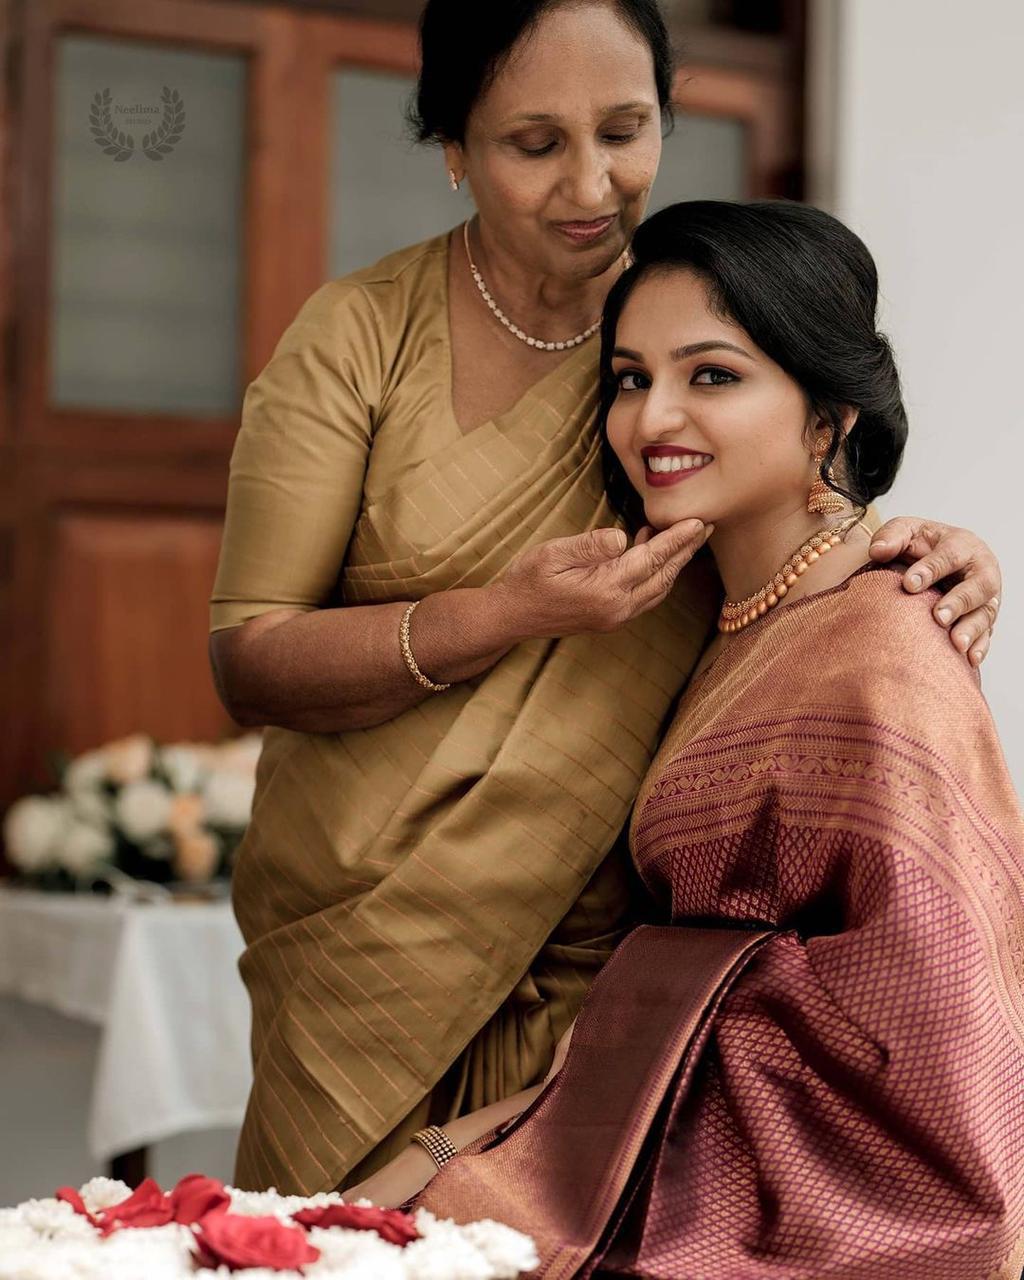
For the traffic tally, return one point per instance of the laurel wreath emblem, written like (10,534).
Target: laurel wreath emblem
(115,142)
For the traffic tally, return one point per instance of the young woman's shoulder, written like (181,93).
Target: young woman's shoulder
(885,653)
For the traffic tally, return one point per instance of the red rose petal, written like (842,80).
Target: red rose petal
(147,1206)
(390,1224)
(237,1241)
(195,1196)
(70,1196)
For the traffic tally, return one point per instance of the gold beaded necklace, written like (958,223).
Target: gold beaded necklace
(737,614)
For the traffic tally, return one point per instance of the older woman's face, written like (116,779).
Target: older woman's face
(563,147)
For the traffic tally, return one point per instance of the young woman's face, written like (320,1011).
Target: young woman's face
(562,148)
(697,396)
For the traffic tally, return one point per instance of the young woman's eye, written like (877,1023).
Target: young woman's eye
(712,376)
(621,137)
(631,380)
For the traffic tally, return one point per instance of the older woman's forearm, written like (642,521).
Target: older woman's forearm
(336,669)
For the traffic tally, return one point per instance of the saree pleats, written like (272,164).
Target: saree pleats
(427,901)
(857,1110)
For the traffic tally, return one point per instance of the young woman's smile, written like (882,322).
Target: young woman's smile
(703,422)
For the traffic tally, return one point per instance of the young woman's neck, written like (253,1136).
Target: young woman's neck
(750,552)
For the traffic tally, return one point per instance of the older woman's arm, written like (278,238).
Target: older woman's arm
(328,670)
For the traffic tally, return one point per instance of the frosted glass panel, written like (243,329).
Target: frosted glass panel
(386,192)
(703,159)
(146,251)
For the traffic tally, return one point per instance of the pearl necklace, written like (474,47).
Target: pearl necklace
(737,614)
(514,328)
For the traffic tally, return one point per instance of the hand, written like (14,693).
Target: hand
(398,1181)
(935,551)
(596,581)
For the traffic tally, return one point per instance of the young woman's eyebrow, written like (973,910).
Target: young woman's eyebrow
(691,349)
(714,344)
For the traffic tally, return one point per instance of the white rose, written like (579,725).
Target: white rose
(94,807)
(86,773)
(33,829)
(141,809)
(228,798)
(183,764)
(83,846)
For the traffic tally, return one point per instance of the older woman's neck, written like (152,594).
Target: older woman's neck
(534,299)
(750,552)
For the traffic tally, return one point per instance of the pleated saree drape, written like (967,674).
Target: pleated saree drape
(425,902)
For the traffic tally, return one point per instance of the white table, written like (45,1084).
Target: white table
(161,980)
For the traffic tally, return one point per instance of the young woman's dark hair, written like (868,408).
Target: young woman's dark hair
(806,290)
(464,44)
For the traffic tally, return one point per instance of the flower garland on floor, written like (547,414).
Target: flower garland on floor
(201,1228)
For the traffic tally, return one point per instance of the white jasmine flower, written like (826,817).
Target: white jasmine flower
(228,798)
(47,1240)
(101,1193)
(142,809)
(33,830)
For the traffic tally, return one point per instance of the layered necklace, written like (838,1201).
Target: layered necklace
(514,328)
(737,614)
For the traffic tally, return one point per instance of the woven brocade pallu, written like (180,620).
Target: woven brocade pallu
(857,1110)
(426,901)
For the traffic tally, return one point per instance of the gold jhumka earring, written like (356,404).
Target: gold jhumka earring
(822,500)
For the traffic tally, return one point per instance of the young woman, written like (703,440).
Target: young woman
(815,1066)
(433,780)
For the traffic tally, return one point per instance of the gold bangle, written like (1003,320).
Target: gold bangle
(410,661)
(436,1143)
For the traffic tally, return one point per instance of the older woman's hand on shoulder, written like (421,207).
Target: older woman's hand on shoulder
(937,551)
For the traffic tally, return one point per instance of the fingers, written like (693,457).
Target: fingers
(596,546)
(977,591)
(657,553)
(958,552)
(903,534)
(974,630)
(645,534)
(979,651)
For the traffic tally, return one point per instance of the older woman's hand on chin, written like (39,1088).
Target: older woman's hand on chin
(595,581)
(937,551)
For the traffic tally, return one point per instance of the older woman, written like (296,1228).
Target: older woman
(433,873)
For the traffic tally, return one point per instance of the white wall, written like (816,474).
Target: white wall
(917,120)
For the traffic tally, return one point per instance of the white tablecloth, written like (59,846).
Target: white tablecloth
(161,980)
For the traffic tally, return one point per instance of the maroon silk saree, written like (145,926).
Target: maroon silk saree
(815,1068)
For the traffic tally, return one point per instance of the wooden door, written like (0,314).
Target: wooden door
(177,176)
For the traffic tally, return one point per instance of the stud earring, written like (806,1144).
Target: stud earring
(822,500)
(453,182)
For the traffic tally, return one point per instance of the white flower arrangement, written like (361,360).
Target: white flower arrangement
(136,809)
(48,1240)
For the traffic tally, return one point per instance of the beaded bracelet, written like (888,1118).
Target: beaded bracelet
(410,661)
(436,1143)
